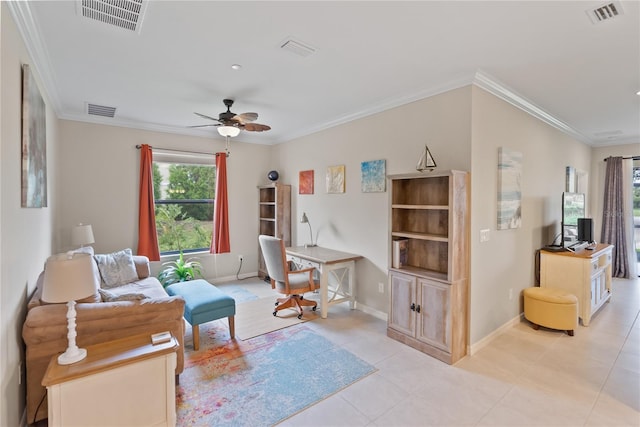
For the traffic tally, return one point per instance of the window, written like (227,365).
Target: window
(184,188)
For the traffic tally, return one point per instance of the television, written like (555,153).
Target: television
(573,207)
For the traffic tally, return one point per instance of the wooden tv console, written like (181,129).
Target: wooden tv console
(586,274)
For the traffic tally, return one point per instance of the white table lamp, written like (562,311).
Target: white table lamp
(82,234)
(68,277)
(306,220)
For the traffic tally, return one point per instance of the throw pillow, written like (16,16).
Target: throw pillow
(116,268)
(108,296)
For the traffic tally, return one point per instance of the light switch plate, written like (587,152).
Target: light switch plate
(484,235)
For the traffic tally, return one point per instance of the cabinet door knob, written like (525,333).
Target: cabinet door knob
(413,307)
(418,308)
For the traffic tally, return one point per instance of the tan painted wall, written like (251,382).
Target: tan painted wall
(358,222)
(99,175)
(25,233)
(506,261)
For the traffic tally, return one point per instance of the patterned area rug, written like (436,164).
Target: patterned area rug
(261,381)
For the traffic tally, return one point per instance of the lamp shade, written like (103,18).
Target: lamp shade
(69,277)
(228,131)
(304,218)
(82,234)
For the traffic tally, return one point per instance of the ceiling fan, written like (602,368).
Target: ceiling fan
(230,124)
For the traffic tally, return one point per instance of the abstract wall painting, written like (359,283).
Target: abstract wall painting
(335,179)
(34,144)
(373,178)
(509,189)
(305,182)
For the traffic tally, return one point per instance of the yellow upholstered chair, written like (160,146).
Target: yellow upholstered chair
(293,284)
(551,308)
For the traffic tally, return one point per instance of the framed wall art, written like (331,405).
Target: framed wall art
(335,179)
(373,179)
(34,144)
(305,182)
(509,189)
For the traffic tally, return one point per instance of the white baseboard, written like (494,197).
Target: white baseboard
(225,279)
(474,348)
(372,311)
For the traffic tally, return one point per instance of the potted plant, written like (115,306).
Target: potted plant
(180,270)
(173,223)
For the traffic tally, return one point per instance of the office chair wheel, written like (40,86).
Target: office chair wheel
(299,316)
(275,313)
(277,303)
(314,308)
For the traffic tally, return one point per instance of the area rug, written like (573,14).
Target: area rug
(264,380)
(254,318)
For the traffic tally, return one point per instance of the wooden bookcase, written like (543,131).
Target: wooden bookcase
(429,293)
(274,205)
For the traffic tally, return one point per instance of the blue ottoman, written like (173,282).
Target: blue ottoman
(203,303)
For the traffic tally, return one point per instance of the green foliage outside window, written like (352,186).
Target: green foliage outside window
(192,182)
(186,223)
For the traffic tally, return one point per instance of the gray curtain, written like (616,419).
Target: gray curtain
(613,217)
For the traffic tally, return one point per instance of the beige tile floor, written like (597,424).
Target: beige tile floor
(521,378)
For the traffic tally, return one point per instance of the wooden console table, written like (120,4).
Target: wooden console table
(329,262)
(123,382)
(585,274)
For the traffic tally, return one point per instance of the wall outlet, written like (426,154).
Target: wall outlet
(484,235)
(240,258)
(381,287)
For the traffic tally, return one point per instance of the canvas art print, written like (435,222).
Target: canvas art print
(509,189)
(335,179)
(34,144)
(305,182)
(373,176)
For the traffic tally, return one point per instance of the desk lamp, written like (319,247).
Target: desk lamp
(82,234)
(306,220)
(69,277)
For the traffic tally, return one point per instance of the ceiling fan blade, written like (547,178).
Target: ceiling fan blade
(206,117)
(256,127)
(246,117)
(204,126)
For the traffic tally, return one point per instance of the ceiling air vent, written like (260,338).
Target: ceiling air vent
(605,12)
(126,14)
(100,110)
(297,47)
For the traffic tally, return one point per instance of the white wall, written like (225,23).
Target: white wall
(506,261)
(25,233)
(358,222)
(99,176)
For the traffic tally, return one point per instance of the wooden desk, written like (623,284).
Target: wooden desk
(123,382)
(585,274)
(329,263)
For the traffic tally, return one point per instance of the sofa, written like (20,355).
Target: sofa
(140,306)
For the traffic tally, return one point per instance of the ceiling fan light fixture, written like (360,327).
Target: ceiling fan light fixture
(229,131)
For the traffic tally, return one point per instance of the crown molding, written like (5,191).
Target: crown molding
(493,86)
(382,106)
(28,29)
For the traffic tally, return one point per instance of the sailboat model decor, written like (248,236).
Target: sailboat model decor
(426,161)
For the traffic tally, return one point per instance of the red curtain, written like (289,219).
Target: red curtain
(220,239)
(147,235)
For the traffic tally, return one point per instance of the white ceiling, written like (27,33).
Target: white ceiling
(544,56)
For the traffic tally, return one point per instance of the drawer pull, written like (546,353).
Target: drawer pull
(413,307)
